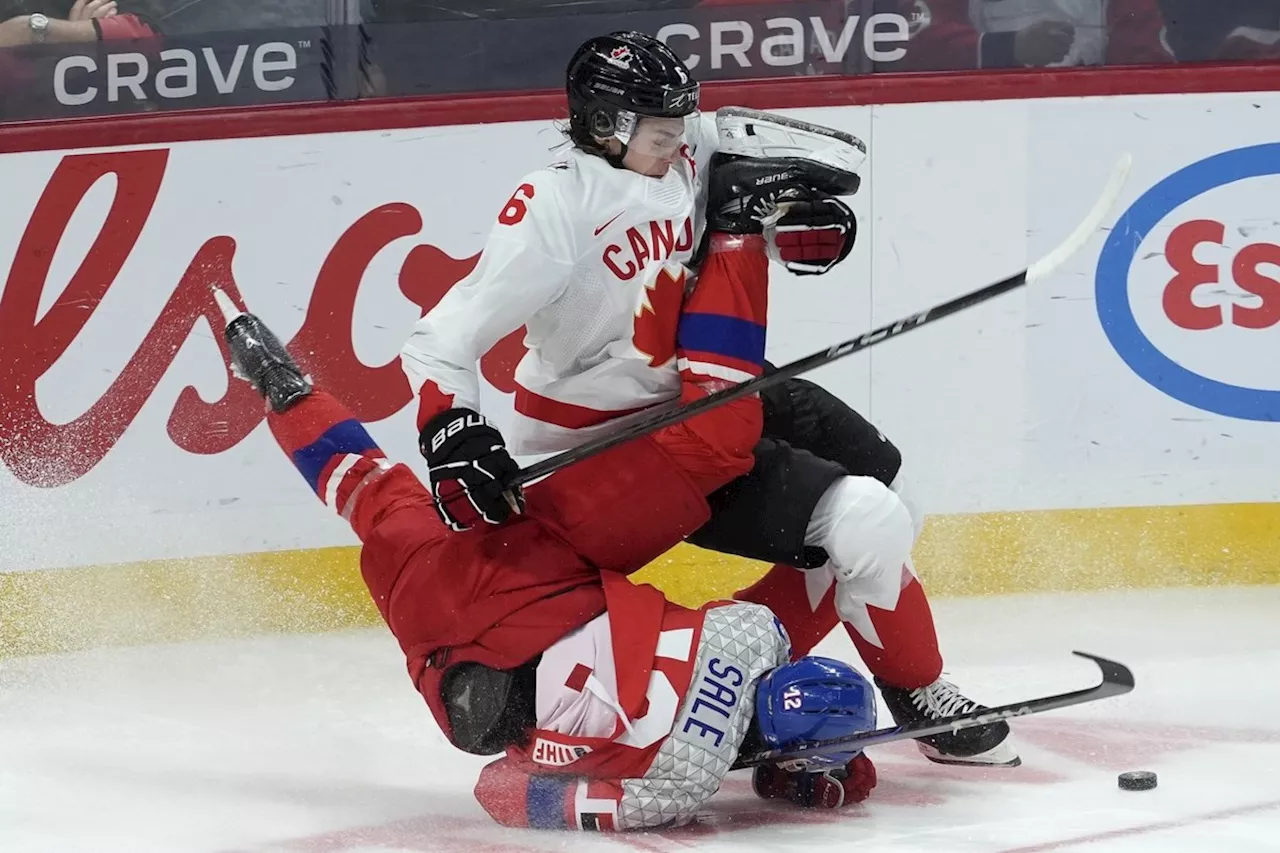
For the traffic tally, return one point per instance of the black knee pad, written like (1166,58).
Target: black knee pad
(809,417)
(763,515)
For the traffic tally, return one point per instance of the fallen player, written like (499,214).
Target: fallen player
(616,708)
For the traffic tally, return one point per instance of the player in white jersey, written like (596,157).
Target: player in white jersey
(593,256)
(616,708)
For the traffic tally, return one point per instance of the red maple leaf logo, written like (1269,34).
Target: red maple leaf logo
(658,315)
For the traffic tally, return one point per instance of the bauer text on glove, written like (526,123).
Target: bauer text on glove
(469,469)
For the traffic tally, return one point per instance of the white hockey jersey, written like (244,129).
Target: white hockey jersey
(590,259)
(640,714)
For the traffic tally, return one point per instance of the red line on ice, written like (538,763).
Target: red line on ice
(1145,828)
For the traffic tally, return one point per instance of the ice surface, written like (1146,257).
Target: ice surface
(319,743)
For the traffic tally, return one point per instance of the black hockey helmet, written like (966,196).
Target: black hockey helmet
(613,79)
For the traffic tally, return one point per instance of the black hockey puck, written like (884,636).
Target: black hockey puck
(1137,780)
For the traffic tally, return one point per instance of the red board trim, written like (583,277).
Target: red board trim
(792,92)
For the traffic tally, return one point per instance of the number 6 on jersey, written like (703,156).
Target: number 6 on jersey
(516,207)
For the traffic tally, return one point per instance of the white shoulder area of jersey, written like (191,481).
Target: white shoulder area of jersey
(600,192)
(703,138)
(701,133)
(556,179)
(542,212)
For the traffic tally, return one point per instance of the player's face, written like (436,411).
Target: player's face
(654,145)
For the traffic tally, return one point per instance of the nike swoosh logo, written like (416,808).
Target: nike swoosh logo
(607,224)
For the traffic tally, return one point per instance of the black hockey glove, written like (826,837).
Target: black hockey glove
(812,235)
(469,468)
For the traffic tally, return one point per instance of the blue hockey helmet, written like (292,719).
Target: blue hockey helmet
(814,698)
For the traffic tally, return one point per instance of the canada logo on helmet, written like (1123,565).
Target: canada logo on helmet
(620,56)
(812,699)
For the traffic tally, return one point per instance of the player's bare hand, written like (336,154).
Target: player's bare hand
(84,10)
(1043,43)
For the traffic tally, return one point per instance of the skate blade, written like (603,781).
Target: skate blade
(1001,755)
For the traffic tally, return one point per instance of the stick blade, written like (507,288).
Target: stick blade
(1091,223)
(1114,673)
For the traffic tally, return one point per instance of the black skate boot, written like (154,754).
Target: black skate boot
(744,192)
(258,357)
(984,745)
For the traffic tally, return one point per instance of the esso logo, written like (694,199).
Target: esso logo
(1244,270)
(1188,284)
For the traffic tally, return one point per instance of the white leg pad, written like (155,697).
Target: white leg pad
(868,532)
(902,486)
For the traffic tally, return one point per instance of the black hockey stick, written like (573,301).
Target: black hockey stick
(1116,681)
(666,416)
